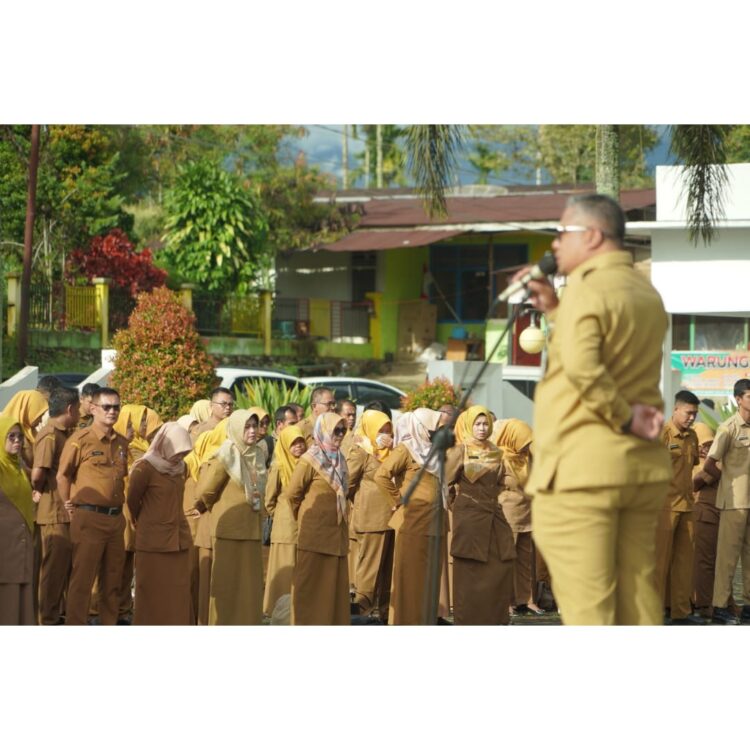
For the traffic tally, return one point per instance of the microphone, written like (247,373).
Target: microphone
(546,266)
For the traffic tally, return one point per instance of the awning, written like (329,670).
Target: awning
(362,240)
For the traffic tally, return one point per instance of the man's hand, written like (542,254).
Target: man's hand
(36,496)
(646,421)
(698,483)
(542,294)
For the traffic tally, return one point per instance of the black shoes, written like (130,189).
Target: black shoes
(724,616)
(692,619)
(745,613)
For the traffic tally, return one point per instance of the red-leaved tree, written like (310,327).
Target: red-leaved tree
(113,255)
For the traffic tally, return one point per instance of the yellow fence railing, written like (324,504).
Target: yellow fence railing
(245,315)
(81,310)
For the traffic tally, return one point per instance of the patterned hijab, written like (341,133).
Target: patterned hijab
(170,440)
(283,457)
(513,436)
(328,459)
(245,464)
(480,456)
(13,480)
(366,433)
(413,430)
(206,446)
(25,408)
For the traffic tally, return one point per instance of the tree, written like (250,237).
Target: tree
(161,360)
(392,160)
(487,161)
(216,228)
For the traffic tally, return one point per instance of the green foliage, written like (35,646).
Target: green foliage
(714,417)
(270,395)
(161,361)
(488,161)
(737,144)
(431,395)
(216,229)
(394,159)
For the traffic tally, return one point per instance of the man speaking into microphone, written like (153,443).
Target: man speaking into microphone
(599,477)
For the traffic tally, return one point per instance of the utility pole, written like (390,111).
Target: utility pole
(379,155)
(23,319)
(345,158)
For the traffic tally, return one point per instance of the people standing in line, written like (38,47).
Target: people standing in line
(600,475)
(347,410)
(88,391)
(732,447)
(416,524)
(482,541)
(283,553)
(91,484)
(317,493)
(321,402)
(298,410)
(222,405)
(371,514)
(162,540)
(675,543)
(16,530)
(514,440)
(52,517)
(199,413)
(231,486)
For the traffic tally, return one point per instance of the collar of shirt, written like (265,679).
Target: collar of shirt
(739,421)
(676,432)
(99,432)
(606,259)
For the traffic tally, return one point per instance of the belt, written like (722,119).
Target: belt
(100,509)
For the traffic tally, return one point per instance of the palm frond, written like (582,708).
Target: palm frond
(432,159)
(700,149)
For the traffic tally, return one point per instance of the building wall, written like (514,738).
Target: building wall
(316,275)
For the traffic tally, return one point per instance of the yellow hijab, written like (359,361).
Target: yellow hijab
(24,409)
(205,447)
(136,412)
(201,410)
(285,461)
(513,436)
(480,456)
(704,432)
(13,480)
(366,433)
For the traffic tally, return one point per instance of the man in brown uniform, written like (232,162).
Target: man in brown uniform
(732,447)
(321,401)
(90,481)
(599,476)
(222,405)
(87,394)
(51,517)
(675,540)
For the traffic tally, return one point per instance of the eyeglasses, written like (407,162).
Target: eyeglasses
(224,404)
(109,407)
(339,431)
(562,229)
(329,404)
(15,437)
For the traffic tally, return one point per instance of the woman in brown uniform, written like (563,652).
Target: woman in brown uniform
(231,486)
(16,529)
(162,540)
(372,512)
(482,542)
(283,554)
(317,493)
(514,438)
(416,524)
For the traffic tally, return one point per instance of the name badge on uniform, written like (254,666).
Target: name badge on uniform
(97,453)
(674,446)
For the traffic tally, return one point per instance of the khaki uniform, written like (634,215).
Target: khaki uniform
(54,523)
(371,515)
(236,594)
(320,584)
(419,536)
(706,521)
(162,544)
(675,541)
(306,425)
(188,503)
(97,465)
(731,446)
(597,490)
(16,567)
(516,506)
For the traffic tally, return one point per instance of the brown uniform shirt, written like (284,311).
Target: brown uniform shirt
(155,503)
(705,499)
(372,506)
(47,451)
(97,466)
(284,529)
(200,427)
(683,451)
(516,504)
(731,446)
(306,425)
(85,422)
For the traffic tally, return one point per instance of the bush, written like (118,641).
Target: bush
(431,395)
(161,361)
(270,395)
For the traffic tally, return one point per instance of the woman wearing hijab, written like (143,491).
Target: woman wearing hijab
(200,413)
(482,542)
(162,540)
(231,486)
(373,508)
(514,438)
(16,530)
(416,524)
(202,555)
(283,553)
(27,408)
(317,494)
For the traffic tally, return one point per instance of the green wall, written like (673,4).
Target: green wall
(248,347)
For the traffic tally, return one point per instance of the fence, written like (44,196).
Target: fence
(230,315)
(331,319)
(47,306)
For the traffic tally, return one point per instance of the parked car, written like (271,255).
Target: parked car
(360,390)
(236,377)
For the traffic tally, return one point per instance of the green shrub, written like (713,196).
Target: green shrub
(161,361)
(270,395)
(431,395)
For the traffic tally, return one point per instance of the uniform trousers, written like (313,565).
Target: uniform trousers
(57,552)
(98,547)
(599,545)
(522,568)
(125,607)
(320,590)
(205,563)
(733,543)
(675,549)
(704,561)
(372,578)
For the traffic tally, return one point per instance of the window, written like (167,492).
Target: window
(367,392)
(681,332)
(364,268)
(714,332)
(464,281)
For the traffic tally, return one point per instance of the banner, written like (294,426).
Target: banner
(711,373)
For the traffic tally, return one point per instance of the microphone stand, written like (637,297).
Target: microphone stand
(441,442)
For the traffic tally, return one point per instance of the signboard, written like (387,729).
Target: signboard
(711,373)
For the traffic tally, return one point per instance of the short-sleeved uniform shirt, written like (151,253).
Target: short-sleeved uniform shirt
(732,447)
(97,466)
(47,451)
(683,452)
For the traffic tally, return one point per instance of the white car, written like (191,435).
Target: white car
(361,391)
(235,377)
